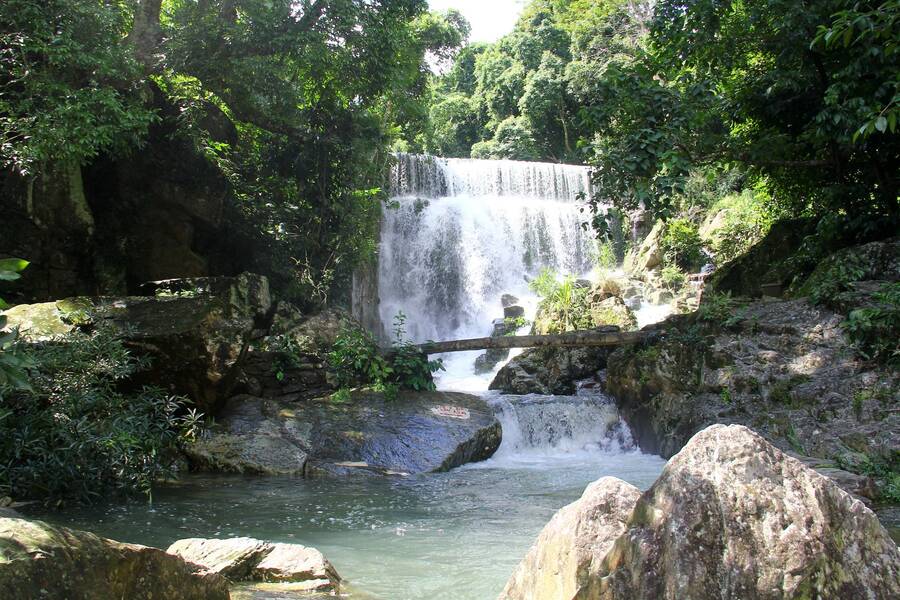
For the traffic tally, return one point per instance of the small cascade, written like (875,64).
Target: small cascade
(463,232)
(551,426)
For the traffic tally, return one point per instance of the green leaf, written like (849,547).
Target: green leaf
(881,124)
(13,264)
(8,276)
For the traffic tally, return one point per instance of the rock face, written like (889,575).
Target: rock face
(648,255)
(783,367)
(765,262)
(194,331)
(248,559)
(417,432)
(731,516)
(38,560)
(572,546)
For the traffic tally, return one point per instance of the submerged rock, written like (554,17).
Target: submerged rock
(248,559)
(38,560)
(418,432)
(731,516)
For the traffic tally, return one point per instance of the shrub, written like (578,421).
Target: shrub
(735,223)
(672,278)
(545,284)
(681,245)
(875,330)
(12,363)
(356,360)
(75,435)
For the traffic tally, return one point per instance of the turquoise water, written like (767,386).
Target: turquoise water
(445,536)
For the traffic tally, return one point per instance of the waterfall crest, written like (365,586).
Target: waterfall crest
(463,232)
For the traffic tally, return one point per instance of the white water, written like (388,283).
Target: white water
(464,232)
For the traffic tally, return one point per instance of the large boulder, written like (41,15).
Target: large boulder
(248,559)
(731,516)
(549,370)
(648,255)
(194,331)
(38,560)
(570,549)
(417,432)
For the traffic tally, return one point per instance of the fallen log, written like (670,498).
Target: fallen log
(571,339)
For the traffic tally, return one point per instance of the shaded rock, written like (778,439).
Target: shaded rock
(571,547)
(877,262)
(549,370)
(731,516)
(508,300)
(194,331)
(38,560)
(766,262)
(418,432)
(248,559)
(513,312)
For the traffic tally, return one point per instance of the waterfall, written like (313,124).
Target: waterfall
(460,233)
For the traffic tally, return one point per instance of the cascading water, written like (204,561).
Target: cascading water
(463,232)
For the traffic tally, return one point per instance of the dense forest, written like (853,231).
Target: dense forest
(232,230)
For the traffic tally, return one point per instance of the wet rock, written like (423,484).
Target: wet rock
(571,547)
(549,370)
(731,516)
(248,559)
(418,432)
(38,560)
(508,300)
(514,311)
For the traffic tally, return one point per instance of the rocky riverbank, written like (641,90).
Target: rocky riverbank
(731,516)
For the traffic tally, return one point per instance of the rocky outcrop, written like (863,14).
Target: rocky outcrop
(731,516)
(571,548)
(648,256)
(765,263)
(549,370)
(38,560)
(418,432)
(248,559)
(783,367)
(193,331)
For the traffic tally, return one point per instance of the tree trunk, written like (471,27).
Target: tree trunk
(146,33)
(571,339)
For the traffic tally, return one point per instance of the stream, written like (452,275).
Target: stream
(463,233)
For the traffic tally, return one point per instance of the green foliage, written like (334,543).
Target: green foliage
(886,474)
(603,255)
(512,324)
(13,364)
(673,278)
(681,245)
(412,369)
(716,308)
(545,284)
(76,435)
(875,330)
(778,88)
(68,89)
(735,223)
(357,360)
